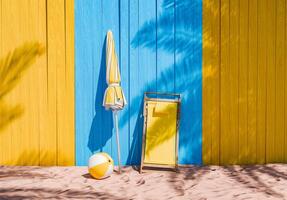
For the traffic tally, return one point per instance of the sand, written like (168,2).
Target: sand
(210,182)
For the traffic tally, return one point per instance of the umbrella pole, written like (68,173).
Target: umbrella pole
(118,141)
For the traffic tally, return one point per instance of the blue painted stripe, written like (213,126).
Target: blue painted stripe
(159,46)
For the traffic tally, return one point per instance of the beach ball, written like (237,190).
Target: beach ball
(101,165)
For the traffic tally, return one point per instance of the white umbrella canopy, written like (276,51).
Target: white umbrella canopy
(114,98)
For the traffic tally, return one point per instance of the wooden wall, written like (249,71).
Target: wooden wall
(159,49)
(244,81)
(44,133)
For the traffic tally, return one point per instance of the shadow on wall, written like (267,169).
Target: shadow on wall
(12,68)
(184,77)
(186,73)
(100,133)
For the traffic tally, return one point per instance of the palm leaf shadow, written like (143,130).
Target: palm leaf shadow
(187,46)
(12,68)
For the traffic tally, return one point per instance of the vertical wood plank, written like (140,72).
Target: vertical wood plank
(211,90)
(124,67)
(225,83)
(271,76)
(66,88)
(195,142)
(285,83)
(165,47)
(134,78)
(243,66)
(261,87)
(279,85)
(43,79)
(13,41)
(252,82)
(110,8)
(146,43)
(89,63)
(1,54)
(115,27)
(234,82)
(60,64)
(49,142)
(188,78)
(6,134)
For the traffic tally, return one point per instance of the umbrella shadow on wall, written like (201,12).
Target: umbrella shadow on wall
(134,155)
(101,131)
(188,76)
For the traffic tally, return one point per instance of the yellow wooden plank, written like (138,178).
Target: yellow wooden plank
(43,82)
(280,69)
(206,85)
(9,41)
(26,120)
(68,135)
(48,141)
(243,71)
(1,44)
(225,136)
(252,82)
(261,87)
(234,82)
(29,27)
(211,90)
(58,9)
(60,64)
(65,98)
(271,76)
(285,82)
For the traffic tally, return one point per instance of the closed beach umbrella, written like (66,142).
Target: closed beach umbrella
(114,98)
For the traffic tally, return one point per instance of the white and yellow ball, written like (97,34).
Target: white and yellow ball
(101,165)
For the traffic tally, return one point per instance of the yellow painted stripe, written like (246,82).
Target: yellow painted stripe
(261,87)
(279,78)
(44,134)
(285,84)
(243,70)
(225,83)
(252,83)
(68,139)
(234,81)
(211,90)
(247,118)
(271,66)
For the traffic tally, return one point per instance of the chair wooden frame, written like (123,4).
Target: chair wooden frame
(177,99)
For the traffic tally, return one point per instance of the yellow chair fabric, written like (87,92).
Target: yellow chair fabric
(161,130)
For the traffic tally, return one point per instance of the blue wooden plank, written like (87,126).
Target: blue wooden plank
(107,117)
(124,66)
(146,37)
(84,96)
(146,70)
(97,132)
(189,78)
(165,46)
(133,157)
(197,144)
(112,23)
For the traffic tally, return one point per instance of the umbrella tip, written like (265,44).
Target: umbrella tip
(109,32)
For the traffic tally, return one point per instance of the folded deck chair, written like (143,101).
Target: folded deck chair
(160,130)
